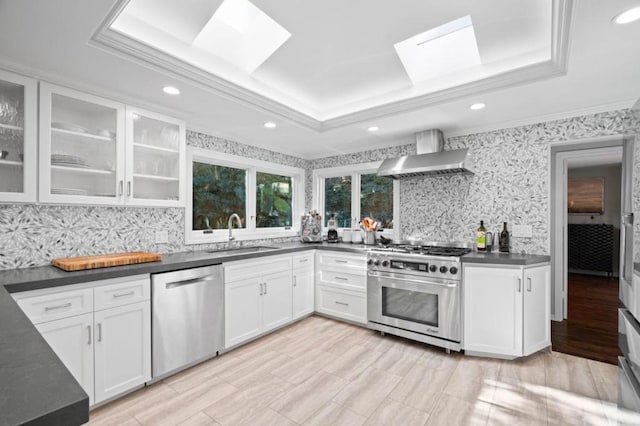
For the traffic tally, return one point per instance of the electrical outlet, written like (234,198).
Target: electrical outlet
(522,231)
(162,237)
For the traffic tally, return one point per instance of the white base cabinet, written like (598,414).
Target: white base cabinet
(258,297)
(303,285)
(72,340)
(101,332)
(122,350)
(341,285)
(506,309)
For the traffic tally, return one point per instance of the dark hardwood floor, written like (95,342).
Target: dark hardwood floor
(591,330)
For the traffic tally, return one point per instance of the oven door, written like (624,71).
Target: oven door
(427,306)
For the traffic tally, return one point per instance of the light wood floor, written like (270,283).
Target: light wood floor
(323,372)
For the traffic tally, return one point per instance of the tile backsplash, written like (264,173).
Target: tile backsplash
(511,184)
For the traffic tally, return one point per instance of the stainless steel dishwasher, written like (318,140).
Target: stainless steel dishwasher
(188,318)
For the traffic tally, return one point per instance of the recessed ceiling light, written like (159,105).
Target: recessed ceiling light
(373,128)
(170,90)
(627,16)
(477,106)
(270,125)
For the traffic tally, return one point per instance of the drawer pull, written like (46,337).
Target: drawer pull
(341,278)
(303,260)
(341,303)
(341,261)
(53,308)
(129,293)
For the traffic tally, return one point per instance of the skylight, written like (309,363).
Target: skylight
(242,34)
(440,51)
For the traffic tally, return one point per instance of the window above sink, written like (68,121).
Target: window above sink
(268,197)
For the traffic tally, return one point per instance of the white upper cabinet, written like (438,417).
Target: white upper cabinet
(156,149)
(81,147)
(18,138)
(97,151)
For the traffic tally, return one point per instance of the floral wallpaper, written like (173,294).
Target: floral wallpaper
(511,183)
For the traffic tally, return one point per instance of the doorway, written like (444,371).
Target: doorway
(588,201)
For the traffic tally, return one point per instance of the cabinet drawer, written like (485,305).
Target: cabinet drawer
(342,260)
(343,279)
(304,260)
(55,306)
(122,293)
(342,304)
(235,271)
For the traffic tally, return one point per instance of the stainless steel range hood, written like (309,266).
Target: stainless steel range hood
(430,159)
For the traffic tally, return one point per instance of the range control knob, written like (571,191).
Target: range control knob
(385,263)
(453,270)
(433,268)
(376,262)
(443,269)
(369,261)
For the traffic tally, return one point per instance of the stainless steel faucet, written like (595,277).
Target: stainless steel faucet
(237,218)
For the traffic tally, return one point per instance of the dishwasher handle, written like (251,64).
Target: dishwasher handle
(175,284)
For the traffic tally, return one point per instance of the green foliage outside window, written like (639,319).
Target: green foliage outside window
(274,195)
(218,191)
(337,199)
(376,199)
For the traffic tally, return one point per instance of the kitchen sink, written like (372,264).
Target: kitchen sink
(241,250)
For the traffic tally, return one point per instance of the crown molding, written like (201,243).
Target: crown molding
(133,50)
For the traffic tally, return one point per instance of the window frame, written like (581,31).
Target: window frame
(250,232)
(355,171)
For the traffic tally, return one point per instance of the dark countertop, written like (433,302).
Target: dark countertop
(505,258)
(38,389)
(16,280)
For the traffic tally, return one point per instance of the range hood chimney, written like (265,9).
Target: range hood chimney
(430,159)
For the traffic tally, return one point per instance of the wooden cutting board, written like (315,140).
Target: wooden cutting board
(104,260)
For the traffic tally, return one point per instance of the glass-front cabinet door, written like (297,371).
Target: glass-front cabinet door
(81,147)
(155,159)
(18,138)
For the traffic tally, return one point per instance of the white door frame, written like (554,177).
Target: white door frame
(559,261)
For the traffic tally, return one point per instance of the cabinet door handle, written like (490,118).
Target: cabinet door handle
(294,281)
(341,261)
(53,308)
(265,288)
(129,293)
(341,278)
(121,190)
(304,260)
(519,285)
(128,188)
(99,332)
(528,284)
(261,292)
(89,332)
(341,303)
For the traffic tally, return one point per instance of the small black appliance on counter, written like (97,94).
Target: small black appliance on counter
(332,234)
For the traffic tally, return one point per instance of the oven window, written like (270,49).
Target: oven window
(410,306)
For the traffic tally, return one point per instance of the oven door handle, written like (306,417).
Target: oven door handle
(451,285)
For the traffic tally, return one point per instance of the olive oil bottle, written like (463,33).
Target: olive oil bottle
(481,237)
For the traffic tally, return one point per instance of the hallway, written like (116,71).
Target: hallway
(591,330)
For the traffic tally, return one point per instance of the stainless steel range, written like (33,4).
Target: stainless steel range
(413,291)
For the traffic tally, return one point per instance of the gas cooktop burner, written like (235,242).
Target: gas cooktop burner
(425,250)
